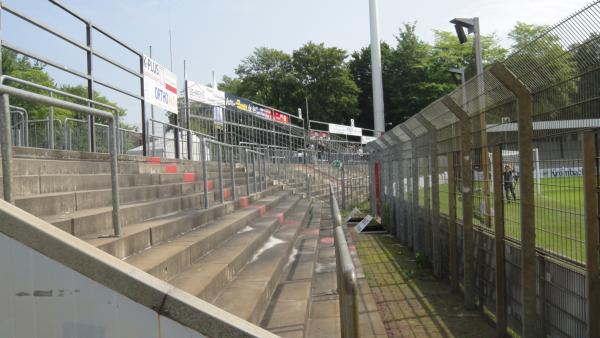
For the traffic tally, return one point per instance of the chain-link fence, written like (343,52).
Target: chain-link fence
(512,158)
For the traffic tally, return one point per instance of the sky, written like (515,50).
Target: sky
(215,35)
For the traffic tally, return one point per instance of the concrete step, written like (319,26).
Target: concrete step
(141,236)
(287,313)
(42,166)
(209,275)
(248,295)
(170,258)
(27,185)
(67,202)
(90,222)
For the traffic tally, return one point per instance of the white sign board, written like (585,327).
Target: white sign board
(205,94)
(160,85)
(367,139)
(344,130)
(361,226)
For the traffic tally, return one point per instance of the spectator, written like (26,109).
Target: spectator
(508,177)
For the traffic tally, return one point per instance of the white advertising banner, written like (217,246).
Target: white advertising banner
(205,94)
(367,139)
(160,85)
(344,130)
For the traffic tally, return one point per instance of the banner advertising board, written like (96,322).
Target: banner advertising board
(344,130)
(204,94)
(367,139)
(160,86)
(235,102)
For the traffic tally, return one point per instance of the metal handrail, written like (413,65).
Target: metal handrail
(5,134)
(346,275)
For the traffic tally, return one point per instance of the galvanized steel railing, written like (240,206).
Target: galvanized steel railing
(6,138)
(347,284)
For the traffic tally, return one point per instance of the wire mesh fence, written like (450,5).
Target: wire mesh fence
(533,211)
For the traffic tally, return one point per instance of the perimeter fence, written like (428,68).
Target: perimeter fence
(497,183)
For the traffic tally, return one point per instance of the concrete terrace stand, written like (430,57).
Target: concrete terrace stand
(177,270)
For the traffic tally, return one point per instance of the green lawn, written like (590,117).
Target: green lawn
(559,214)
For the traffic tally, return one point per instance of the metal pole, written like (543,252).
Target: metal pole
(90,87)
(376,74)
(205,171)
(527,205)
(220,166)
(499,242)
(6,143)
(467,195)
(247,172)
(590,178)
(114,176)
(233,193)
(452,247)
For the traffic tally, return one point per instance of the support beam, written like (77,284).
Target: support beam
(467,197)
(500,243)
(527,205)
(452,249)
(434,215)
(590,183)
(414,168)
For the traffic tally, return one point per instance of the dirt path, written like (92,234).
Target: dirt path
(411,302)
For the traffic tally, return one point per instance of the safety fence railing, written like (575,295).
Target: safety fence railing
(170,141)
(84,106)
(496,183)
(347,285)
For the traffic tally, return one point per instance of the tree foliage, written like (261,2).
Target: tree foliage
(28,69)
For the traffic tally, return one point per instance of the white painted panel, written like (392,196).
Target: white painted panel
(41,298)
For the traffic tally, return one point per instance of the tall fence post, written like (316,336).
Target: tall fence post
(6,144)
(467,198)
(527,205)
(499,242)
(452,249)
(414,168)
(434,202)
(590,183)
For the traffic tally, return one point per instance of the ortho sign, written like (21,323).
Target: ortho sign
(160,86)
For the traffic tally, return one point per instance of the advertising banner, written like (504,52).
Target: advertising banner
(160,86)
(367,139)
(235,102)
(344,130)
(204,94)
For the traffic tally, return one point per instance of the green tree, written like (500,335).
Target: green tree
(326,82)
(26,69)
(267,77)
(542,62)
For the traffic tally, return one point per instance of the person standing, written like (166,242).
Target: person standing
(508,177)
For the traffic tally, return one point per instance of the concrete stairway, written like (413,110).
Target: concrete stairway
(232,254)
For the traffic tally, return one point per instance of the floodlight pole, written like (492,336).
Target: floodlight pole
(378,118)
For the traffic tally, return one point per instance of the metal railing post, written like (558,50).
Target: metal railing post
(114,176)
(233,193)
(247,172)
(344,206)
(346,275)
(7,152)
(254,172)
(205,171)
(220,166)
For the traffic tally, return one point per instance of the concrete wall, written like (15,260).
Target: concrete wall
(42,298)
